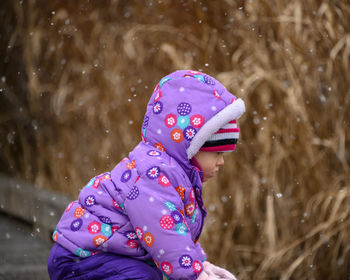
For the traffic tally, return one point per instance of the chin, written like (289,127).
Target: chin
(207,178)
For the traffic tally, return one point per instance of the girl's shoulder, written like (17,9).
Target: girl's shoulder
(152,163)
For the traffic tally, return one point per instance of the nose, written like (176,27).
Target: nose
(221,160)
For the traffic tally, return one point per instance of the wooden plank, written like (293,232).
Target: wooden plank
(22,254)
(40,207)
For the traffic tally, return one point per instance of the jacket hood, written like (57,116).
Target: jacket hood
(185,109)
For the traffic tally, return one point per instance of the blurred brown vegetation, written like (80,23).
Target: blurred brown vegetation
(76,76)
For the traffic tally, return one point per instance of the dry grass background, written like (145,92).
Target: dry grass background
(76,76)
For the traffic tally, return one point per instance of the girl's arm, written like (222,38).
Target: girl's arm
(157,214)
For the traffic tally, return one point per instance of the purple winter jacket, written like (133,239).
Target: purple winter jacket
(150,206)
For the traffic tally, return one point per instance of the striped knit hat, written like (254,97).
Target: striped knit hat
(224,140)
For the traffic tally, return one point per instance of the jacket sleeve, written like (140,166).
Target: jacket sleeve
(156,212)
(86,224)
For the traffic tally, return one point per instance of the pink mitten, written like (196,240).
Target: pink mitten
(220,273)
(205,276)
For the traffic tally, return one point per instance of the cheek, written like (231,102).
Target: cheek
(209,167)
(207,161)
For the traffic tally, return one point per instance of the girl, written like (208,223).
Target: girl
(143,219)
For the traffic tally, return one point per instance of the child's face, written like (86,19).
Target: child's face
(210,163)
